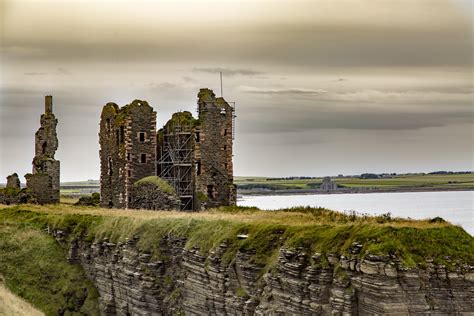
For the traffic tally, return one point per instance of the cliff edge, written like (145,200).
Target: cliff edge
(245,261)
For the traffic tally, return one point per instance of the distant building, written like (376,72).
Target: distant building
(328,185)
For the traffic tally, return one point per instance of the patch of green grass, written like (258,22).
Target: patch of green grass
(34,267)
(160,183)
(240,292)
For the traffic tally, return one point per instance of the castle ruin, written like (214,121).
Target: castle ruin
(44,181)
(193,156)
(127,150)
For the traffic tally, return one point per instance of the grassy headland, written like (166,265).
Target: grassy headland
(35,268)
(313,229)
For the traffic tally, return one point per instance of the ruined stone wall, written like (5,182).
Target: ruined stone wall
(180,280)
(151,197)
(13,181)
(140,142)
(40,184)
(127,150)
(44,182)
(194,156)
(213,152)
(111,162)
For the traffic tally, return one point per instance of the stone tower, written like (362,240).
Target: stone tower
(44,181)
(213,150)
(195,155)
(127,150)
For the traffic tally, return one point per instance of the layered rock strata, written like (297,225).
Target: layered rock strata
(180,280)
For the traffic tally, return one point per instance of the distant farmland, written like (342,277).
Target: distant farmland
(407,182)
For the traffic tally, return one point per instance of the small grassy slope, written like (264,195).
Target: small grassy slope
(10,304)
(157,181)
(34,267)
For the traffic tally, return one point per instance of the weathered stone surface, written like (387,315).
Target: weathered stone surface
(127,150)
(214,150)
(180,280)
(151,197)
(13,182)
(44,181)
(196,155)
(193,155)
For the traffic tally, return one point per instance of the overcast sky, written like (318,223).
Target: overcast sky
(322,87)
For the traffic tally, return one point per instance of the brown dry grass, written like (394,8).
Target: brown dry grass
(10,304)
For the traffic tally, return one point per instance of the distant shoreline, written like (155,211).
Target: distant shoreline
(346,191)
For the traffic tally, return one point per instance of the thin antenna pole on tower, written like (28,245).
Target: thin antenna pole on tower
(222,92)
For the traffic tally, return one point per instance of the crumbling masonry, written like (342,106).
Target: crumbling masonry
(193,155)
(127,150)
(44,181)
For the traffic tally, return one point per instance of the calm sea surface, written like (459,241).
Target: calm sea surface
(454,206)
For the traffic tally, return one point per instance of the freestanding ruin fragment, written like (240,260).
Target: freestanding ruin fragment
(13,182)
(44,181)
(194,156)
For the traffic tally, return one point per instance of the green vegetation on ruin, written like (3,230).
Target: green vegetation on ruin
(157,181)
(35,268)
(183,119)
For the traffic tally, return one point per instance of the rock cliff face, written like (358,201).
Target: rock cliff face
(179,280)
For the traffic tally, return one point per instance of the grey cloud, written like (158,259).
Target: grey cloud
(279,117)
(188,79)
(35,73)
(229,71)
(162,85)
(62,71)
(59,71)
(290,92)
(306,46)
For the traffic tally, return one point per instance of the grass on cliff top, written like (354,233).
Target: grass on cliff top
(310,229)
(157,181)
(34,267)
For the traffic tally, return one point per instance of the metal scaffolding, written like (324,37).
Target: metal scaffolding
(176,164)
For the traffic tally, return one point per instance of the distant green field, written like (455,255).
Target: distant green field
(400,181)
(428,181)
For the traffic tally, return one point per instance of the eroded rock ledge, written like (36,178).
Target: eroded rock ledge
(180,280)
